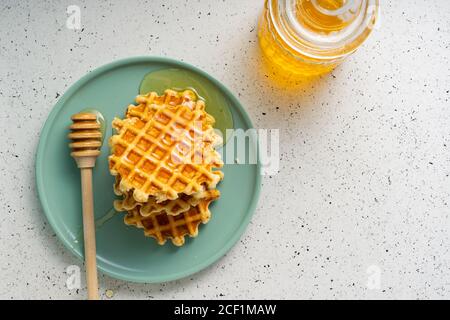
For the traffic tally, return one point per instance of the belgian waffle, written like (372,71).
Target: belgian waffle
(170,207)
(165,148)
(162,226)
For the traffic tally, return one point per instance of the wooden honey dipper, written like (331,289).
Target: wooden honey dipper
(86,141)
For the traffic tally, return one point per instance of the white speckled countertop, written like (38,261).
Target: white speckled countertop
(363,189)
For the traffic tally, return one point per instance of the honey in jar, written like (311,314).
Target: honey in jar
(311,37)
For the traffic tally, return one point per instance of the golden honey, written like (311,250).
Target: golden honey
(311,37)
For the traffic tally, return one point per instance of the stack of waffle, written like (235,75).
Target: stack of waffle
(163,158)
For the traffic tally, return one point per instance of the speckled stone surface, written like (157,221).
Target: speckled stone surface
(363,188)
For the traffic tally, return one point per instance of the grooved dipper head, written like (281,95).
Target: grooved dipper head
(86,139)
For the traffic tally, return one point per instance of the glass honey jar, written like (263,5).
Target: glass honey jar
(311,37)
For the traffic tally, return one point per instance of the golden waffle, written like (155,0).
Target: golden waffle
(162,226)
(149,103)
(170,207)
(156,150)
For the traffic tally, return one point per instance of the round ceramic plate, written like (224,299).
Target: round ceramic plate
(123,251)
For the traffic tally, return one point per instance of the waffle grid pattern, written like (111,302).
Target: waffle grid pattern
(147,155)
(162,226)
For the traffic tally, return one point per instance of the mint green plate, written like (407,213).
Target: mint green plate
(122,251)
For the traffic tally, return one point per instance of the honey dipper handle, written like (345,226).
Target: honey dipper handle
(89,233)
